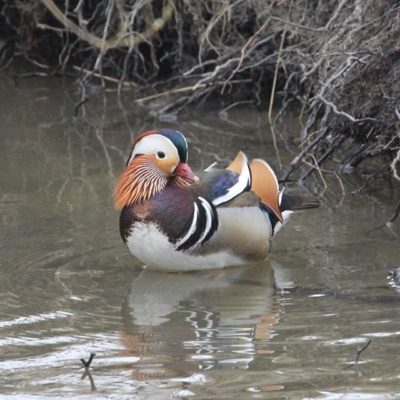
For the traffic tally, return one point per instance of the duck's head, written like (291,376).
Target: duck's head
(157,158)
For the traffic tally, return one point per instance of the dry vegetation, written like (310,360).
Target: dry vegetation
(337,60)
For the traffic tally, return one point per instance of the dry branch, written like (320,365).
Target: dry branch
(338,60)
(121,39)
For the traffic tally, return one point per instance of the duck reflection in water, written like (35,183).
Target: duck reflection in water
(180,324)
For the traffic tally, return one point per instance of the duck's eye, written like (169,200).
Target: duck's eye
(161,154)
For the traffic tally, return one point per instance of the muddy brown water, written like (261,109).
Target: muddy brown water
(68,286)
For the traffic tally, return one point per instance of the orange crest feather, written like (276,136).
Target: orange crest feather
(237,163)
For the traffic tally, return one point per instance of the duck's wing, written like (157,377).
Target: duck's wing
(221,186)
(241,185)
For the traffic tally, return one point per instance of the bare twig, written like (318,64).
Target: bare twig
(105,77)
(336,143)
(316,167)
(342,113)
(79,105)
(359,351)
(121,39)
(243,53)
(192,88)
(308,28)
(87,363)
(272,96)
(336,13)
(295,162)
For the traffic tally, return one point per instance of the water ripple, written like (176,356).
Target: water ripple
(32,319)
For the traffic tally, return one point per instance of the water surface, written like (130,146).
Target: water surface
(285,329)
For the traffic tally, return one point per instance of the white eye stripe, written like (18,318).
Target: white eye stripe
(153,144)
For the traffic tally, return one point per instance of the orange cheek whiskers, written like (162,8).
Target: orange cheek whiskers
(138,182)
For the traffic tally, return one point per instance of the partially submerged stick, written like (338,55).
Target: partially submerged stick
(359,351)
(87,363)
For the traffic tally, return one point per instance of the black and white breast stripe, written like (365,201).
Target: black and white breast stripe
(204,224)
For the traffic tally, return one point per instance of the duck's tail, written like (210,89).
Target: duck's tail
(288,204)
(293,202)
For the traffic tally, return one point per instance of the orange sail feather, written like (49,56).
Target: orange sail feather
(265,185)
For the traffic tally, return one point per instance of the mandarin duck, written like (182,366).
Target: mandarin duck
(174,220)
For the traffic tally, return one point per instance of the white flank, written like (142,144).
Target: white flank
(152,247)
(240,186)
(247,230)
(243,237)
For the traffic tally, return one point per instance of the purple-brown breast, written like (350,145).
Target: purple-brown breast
(171,210)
